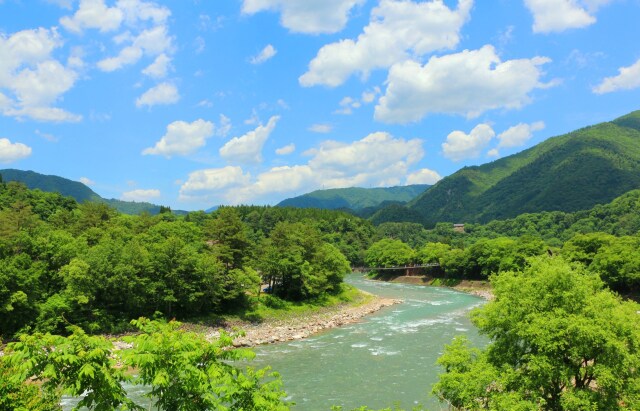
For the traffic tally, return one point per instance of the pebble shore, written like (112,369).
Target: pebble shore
(271,332)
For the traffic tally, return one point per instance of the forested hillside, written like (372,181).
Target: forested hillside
(355,198)
(86,264)
(75,189)
(568,173)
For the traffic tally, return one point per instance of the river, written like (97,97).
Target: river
(387,359)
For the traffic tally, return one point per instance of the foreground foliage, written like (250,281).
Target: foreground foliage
(559,342)
(183,370)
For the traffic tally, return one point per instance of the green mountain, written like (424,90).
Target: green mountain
(77,190)
(571,172)
(48,183)
(354,198)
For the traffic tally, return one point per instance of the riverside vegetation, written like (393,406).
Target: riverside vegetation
(561,338)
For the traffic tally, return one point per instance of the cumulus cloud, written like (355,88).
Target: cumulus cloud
(379,159)
(140,195)
(31,78)
(628,78)
(163,93)
(151,42)
(423,176)
(467,83)
(93,14)
(267,53)
(398,30)
(288,149)
(560,15)
(140,28)
(248,148)
(460,146)
(205,183)
(307,16)
(10,152)
(518,135)
(182,138)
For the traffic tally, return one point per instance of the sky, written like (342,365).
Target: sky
(198,103)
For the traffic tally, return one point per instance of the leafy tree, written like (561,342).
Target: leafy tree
(298,264)
(389,253)
(183,370)
(559,341)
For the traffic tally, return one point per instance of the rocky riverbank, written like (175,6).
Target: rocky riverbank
(274,331)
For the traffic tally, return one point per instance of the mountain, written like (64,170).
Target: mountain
(48,183)
(571,172)
(354,198)
(77,190)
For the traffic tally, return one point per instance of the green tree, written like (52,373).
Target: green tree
(559,341)
(389,253)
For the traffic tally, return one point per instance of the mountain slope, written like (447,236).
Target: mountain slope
(49,183)
(571,172)
(77,190)
(354,198)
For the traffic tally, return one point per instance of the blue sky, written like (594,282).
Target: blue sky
(195,103)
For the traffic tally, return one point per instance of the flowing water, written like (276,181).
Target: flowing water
(386,359)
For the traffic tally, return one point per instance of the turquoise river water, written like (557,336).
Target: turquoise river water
(387,359)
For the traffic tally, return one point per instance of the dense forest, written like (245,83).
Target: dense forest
(69,271)
(86,264)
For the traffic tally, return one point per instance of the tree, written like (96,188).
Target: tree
(559,341)
(389,253)
(183,370)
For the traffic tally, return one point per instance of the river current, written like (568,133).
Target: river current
(387,359)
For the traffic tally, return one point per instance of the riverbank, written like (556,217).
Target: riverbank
(298,326)
(475,287)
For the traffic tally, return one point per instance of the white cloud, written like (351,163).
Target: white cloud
(151,42)
(628,78)
(10,152)
(204,183)
(398,29)
(159,68)
(140,195)
(376,160)
(182,138)
(248,148)
(494,152)
(306,16)
(137,10)
(461,146)
(267,53)
(518,135)
(164,93)
(87,181)
(560,15)
(93,14)
(32,80)
(466,83)
(347,104)
(321,128)
(288,149)
(423,176)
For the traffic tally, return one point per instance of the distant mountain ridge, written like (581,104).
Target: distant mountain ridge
(572,172)
(80,192)
(355,198)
